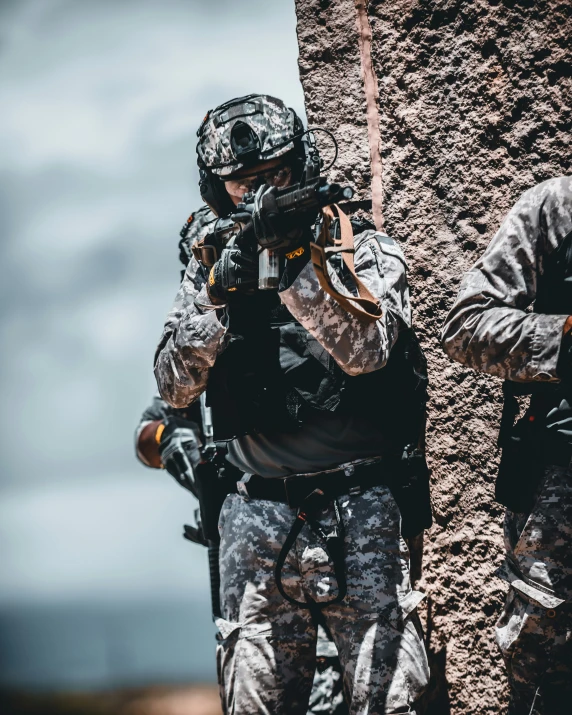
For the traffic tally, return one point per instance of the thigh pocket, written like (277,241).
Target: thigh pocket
(250,668)
(412,661)
(522,633)
(226,656)
(411,674)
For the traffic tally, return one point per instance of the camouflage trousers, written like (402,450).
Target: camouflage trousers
(327,696)
(267,646)
(534,632)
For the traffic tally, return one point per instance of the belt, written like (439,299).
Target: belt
(352,478)
(308,493)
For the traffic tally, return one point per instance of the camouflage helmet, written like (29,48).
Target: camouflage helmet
(246,131)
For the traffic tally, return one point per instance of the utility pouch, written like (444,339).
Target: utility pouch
(409,484)
(214,483)
(522,461)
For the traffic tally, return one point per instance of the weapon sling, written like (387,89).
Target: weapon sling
(365,305)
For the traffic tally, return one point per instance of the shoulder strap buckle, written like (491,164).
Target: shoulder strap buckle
(365,305)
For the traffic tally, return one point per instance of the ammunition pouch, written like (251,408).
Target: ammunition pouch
(523,443)
(410,487)
(214,482)
(521,467)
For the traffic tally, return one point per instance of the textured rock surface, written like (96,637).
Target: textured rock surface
(475,107)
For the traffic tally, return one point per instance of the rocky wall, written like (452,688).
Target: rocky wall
(473,107)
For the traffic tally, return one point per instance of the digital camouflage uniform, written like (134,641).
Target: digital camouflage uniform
(267,645)
(327,693)
(327,690)
(327,696)
(490,329)
(198,223)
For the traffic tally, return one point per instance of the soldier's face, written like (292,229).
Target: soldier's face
(274,173)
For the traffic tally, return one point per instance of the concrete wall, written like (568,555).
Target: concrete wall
(474,107)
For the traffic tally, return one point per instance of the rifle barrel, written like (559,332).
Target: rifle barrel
(313,196)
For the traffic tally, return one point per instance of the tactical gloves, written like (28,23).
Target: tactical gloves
(278,231)
(180,450)
(236,269)
(559,421)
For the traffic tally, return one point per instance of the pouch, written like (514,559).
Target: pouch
(521,466)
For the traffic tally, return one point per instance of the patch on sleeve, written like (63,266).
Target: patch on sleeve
(389,246)
(384,238)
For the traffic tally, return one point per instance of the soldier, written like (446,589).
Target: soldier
(155,418)
(173,438)
(319,389)
(529,263)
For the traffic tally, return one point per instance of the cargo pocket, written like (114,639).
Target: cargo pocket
(396,614)
(246,665)
(226,630)
(227,639)
(411,667)
(523,635)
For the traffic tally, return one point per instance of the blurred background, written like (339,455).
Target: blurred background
(101,100)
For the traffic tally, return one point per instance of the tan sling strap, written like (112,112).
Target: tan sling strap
(366,306)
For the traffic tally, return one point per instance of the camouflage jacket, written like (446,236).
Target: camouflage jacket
(195,332)
(194,229)
(489,327)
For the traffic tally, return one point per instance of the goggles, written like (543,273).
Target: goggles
(278,176)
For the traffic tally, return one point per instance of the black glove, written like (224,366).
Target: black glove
(236,269)
(277,231)
(180,450)
(559,421)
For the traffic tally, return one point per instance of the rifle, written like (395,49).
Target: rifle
(211,480)
(311,194)
(307,197)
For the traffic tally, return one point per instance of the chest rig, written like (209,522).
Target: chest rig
(273,374)
(273,371)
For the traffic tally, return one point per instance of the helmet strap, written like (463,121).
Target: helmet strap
(214,193)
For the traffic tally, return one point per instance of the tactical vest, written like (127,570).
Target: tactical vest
(525,448)
(273,370)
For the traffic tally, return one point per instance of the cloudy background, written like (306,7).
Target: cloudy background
(101,100)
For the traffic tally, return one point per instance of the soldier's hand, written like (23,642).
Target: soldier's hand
(147,446)
(559,421)
(236,269)
(274,230)
(180,449)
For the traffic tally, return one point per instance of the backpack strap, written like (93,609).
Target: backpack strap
(365,305)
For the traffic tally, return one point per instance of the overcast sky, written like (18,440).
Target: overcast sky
(101,100)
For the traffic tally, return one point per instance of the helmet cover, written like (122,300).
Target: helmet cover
(246,131)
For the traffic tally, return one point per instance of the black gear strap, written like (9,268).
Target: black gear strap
(353,479)
(333,542)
